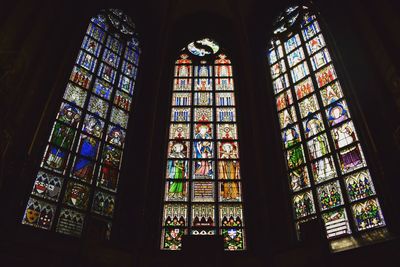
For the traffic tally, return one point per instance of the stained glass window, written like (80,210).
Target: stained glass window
(79,173)
(327,171)
(203,189)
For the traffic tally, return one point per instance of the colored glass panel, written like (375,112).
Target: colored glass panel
(62,135)
(344,134)
(93,125)
(86,60)
(172,238)
(225,99)
(182,84)
(311,30)
(230,191)
(175,215)
(329,195)
(318,146)
(280,83)
(103,204)
(115,136)
(77,195)
(320,59)
(359,185)
(98,106)
(83,169)
(231,215)
(351,158)
(275,54)
(178,149)
(203,215)
(308,106)
(233,239)
(296,57)
(39,214)
(203,131)
(228,170)
(81,77)
(132,56)
(299,179)
(180,114)
(55,159)
(91,46)
(325,76)
(292,43)
(331,93)
(203,169)
(223,70)
(203,84)
(75,95)
(304,88)
(183,71)
(47,186)
(102,88)
(228,150)
(129,69)
(111,58)
(336,223)
(303,204)
(284,100)
(181,99)
(313,125)
(337,113)
(278,69)
(179,131)
(203,99)
(114,44)
(368,214)
(224,84)
(323,169)
(227,131)
(299,72)
(315,44)
(122,100)
(70,222)
(107,73)
(96,32)
(295,157)
(119,117)
(203,191)
(126,84)
(287,117)
(291,136)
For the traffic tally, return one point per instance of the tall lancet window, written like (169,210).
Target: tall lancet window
(203,192)
(77,180)
(327,172)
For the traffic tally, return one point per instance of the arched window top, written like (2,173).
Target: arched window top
(327,170)
(203,193)
(291,19)
(77,180)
